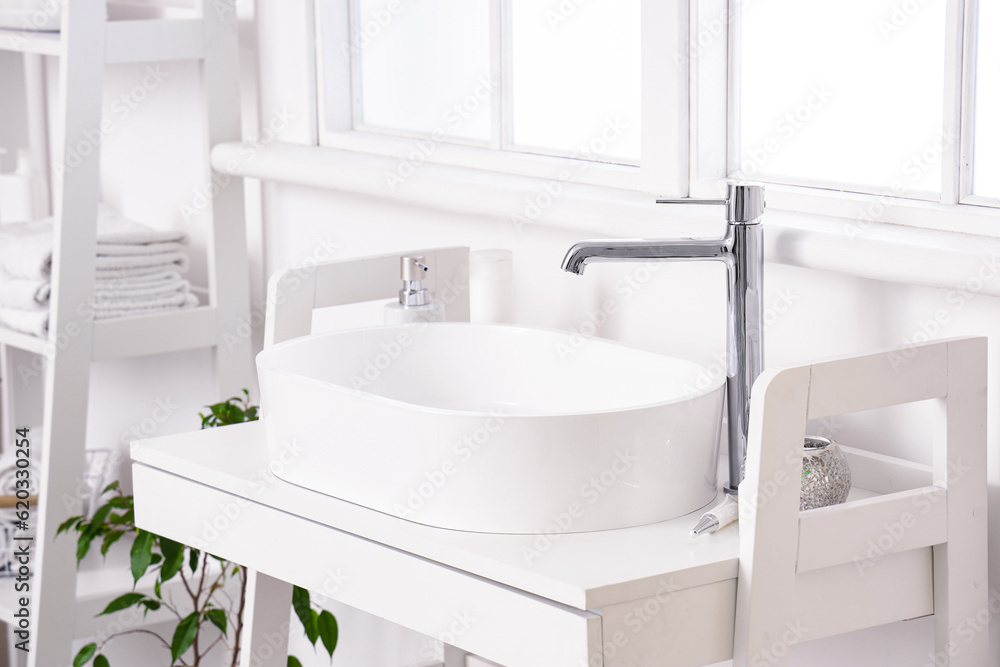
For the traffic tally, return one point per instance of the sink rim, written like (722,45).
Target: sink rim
(264,363)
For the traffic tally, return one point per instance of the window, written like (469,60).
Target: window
(849,106)
(555,79)
(867,96)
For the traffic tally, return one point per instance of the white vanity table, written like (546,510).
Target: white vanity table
(576,599)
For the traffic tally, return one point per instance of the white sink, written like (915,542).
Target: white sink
(489,428)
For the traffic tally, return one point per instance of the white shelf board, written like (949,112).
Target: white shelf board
(44,43)
(131,41)
(95,588)
(173,331)
(23,341)
(584,570)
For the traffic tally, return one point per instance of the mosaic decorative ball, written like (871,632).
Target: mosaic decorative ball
(826,478)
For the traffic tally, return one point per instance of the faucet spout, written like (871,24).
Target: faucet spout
(742,251)
(640,250)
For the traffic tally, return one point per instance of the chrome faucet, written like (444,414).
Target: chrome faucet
(741,249)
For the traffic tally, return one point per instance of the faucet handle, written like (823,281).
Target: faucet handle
(744,203)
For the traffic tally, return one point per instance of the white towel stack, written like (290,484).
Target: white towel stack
(138,271)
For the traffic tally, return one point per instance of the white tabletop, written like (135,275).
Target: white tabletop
(584,570)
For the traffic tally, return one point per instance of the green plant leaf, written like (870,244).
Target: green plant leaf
(68,524)
(193,557)
(300,603)
(293,661)
(218,618)
(142,554)
(113,486)
(173,558)
(184,635)
(156,589)
(85,654)
(97,522)
(312,630)
(328,631)
(109,539)
(101,661)
(122,502)
(122,602)
(83,546)
(150,605)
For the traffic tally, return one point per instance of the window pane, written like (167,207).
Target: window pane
(576,77)
(848,93)
(425,66)
(986,164)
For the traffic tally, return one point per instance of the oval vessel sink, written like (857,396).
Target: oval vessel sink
(492,428)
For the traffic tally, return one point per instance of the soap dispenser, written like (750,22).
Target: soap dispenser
(415,304)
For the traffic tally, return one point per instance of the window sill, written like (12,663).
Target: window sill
(911,254)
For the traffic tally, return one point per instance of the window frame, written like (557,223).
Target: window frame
(664,172)
(957,208)
(692,156)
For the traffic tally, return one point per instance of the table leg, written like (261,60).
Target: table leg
(266,621)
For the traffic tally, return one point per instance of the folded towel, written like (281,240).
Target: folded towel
(114,228)
(33,322)
(176,261)
(23,293)
(134,273)
(129,249)
(26,248)
(24,253)
(177,299)
(135,287)
(190,301)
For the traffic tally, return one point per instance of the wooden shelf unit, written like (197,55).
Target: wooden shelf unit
(95,34)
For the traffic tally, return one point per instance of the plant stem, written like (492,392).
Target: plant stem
(239,616)
(201,589)
(136,631)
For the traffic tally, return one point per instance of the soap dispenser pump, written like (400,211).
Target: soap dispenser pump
(415,303)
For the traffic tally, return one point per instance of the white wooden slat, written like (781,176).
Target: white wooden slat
(687,627)
(154,334)
(133,41)
(291,297)
(877,380)
(769,508)
(416,593)
(228,265)
(863,532)
(24,341)
(67,374)
(883,474)
(154,40)
(961,565)
(43,43)
(842,599)
(269,604)
(38,134)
